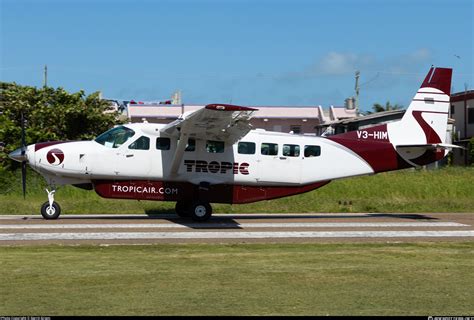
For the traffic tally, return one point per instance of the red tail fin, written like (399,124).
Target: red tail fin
(439,78)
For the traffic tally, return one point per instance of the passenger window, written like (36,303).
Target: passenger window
(312,151)
(142,143)
(269,149)
(246,148)
(191,146)
(291,150)
(215,146)
(163,143)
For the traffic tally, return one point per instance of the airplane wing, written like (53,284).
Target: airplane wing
(220,122)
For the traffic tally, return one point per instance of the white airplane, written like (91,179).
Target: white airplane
(212,155)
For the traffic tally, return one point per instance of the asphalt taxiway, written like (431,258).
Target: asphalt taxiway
(236,228)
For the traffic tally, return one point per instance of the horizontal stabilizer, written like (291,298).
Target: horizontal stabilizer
(431,146)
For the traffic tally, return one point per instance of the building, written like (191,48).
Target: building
(296,119)
(360,122)
(462,111)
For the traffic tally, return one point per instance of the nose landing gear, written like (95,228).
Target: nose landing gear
(50,210)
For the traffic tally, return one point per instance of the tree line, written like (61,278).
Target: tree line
(50,114)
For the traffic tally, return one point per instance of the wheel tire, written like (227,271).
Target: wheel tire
(50,214)
(182,209)
(200,211)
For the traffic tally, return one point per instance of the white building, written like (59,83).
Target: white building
(299,119)
(462,111)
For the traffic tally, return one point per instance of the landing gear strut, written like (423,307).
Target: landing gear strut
(50,210)
(197,208)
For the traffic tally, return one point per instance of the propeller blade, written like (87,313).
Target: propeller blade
(23,151)
(23,178)
(23,138)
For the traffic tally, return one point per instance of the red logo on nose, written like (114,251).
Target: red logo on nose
(55,157)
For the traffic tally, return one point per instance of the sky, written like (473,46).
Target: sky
(259,52)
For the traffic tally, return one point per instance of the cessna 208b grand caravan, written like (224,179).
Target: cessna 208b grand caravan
(212,155)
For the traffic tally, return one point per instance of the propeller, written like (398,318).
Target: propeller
(20,154)
(23,152)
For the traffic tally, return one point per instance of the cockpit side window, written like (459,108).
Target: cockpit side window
(142,143)
(115,137)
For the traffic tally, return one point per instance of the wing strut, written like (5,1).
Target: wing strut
(178,155)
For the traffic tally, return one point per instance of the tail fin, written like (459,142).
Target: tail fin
(417,139)
(426,119)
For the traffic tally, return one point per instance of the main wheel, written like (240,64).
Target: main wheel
(201,211)
(50,213)
(182,209)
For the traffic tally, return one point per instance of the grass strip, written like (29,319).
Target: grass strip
(239,279)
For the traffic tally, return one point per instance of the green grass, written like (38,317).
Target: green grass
(243,279)
(444,190)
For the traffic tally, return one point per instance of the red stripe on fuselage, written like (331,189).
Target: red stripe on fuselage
(185,191)
(378,153)
(41,145)
(430,101)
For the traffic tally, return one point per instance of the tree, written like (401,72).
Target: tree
(50,114)
(377,107)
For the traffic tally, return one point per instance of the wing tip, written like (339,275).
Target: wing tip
(228,107)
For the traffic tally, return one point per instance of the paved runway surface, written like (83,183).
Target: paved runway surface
(232,228)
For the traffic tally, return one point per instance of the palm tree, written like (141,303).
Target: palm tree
(377,107)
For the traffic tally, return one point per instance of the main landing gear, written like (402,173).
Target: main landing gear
(198,210)
(50,210)
(197,207)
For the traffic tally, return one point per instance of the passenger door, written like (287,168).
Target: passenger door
(278,163)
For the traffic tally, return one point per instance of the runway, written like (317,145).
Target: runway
(236,228)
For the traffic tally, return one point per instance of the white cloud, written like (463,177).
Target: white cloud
(335,63)
(409,62)
(339,63)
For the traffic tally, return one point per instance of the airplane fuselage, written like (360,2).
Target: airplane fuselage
(260,159)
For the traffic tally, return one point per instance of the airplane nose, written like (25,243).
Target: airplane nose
(18,156)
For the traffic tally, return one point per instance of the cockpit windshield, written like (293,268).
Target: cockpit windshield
(115,137)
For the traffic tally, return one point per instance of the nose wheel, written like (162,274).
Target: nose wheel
(50,210)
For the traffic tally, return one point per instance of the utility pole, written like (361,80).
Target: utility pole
(45,78)
(357,75)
